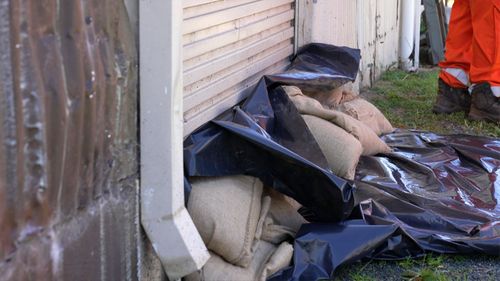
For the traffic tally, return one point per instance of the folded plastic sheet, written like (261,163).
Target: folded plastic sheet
(320,67)
(433,193)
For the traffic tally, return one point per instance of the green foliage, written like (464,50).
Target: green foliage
(433,261)
(407,263)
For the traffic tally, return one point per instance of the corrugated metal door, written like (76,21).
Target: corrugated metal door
(228,46)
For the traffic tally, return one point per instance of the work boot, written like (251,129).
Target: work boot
(485,106)
(451,99)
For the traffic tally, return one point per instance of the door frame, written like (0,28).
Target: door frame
(163,214)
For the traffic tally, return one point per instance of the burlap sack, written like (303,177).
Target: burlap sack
(280,259)
(279,220)
(327,99)
(367,113)
(226,211)
(264,212)
(302,102)
(275,233)
(342,150)
(348,95)
(284,210)
(267,260)
(371,143)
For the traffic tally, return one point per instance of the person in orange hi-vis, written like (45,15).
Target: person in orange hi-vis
(470,74)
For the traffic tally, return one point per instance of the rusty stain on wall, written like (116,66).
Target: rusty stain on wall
(68,142)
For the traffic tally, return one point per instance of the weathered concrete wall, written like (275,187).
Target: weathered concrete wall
(370,25)
(68,143)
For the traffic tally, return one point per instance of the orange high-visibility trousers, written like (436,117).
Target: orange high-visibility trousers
(473,45)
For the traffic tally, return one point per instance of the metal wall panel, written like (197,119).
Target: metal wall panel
(228,46)
(68,142)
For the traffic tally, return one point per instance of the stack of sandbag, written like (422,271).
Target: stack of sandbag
(244,227)
(367,113)
(345,128)
(283,220)
(331,98)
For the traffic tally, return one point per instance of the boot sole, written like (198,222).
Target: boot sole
(477,115)
(447,110)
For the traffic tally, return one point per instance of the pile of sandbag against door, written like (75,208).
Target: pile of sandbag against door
(345,134)
(367,113)
(431,193)
(246,227)
(331,98)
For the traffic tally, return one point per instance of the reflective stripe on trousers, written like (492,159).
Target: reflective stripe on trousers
(459,74)
(496,91)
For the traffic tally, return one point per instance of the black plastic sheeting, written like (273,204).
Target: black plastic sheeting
(267,142)
(432,193)
(267,138)
(320,67)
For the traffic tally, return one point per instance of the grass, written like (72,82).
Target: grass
(358,276)
(431,267)
(407,99)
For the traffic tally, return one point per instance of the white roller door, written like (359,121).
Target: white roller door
(228,46)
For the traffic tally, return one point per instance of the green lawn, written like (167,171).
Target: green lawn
(407,99)
(430,268)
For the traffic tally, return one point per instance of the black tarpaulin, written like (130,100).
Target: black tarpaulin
(432,193)
(267,138)
(274,145)
(320,67)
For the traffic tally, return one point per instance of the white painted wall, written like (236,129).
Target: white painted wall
(370,25)
(335,22)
